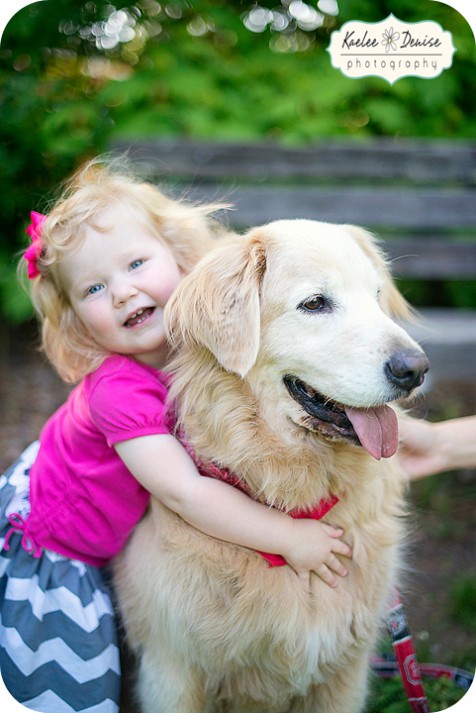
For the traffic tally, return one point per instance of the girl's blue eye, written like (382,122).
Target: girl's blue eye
(94,288)
(136,263)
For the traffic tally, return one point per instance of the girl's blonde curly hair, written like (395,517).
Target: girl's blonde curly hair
(187,230)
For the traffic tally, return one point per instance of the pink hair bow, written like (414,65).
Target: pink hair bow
(34,251)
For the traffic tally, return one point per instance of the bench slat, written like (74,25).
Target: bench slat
(426,209)
(427,258)
(382,159)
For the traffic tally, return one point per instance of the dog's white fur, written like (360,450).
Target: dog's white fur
(215,628)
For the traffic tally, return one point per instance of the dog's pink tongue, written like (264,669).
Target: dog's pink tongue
(377,429)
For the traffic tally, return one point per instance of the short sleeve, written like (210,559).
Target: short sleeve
(128,400)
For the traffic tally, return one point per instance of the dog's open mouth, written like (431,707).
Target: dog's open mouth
(375,429)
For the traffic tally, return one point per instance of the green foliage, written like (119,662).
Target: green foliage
(439,293)
(388,696)
(191,68)
(463,598)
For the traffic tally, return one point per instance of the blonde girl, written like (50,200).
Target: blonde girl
(102,266)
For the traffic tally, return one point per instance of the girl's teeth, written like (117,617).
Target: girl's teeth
(138,317)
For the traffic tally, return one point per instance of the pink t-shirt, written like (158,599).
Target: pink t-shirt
(84,501)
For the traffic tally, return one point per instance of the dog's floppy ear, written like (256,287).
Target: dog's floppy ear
(394,302)
(218,304)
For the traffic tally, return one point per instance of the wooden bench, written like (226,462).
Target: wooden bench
(419,196)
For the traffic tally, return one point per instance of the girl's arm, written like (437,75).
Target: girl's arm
(427,448)
(163,467)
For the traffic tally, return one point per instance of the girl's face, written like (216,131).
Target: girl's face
(118,282)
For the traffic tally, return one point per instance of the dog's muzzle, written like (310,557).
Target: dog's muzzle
(375,429)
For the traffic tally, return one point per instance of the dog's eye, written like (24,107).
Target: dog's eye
(316,303)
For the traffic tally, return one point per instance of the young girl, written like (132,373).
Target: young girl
(102,266)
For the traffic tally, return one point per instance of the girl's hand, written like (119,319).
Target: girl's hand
(314,548)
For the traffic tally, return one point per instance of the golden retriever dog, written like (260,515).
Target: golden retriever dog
(287,357)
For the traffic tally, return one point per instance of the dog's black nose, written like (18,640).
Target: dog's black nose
(407,369)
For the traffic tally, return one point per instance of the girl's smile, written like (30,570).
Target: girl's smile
(139,317)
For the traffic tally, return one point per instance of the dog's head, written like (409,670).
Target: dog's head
(303,311)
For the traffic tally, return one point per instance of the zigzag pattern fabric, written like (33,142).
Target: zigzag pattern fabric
(58,643)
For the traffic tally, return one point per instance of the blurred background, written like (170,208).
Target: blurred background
(78,77)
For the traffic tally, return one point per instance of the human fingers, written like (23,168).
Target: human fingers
(335,565)
(332,531)
(341,548)
(326,575)
(416,435)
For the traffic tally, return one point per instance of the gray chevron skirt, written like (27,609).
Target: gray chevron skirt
(58,643)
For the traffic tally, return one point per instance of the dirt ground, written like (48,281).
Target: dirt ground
(442,548)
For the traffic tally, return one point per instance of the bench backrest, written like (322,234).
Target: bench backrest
(420,196)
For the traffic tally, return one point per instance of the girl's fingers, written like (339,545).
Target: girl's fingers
(336,565)
(342,548)
(333,531)
(338,545)
(326,575)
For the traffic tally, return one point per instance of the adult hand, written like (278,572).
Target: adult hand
(427,448)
